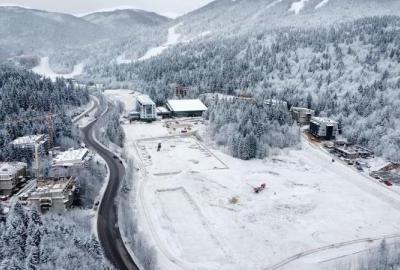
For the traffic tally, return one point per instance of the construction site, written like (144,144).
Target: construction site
(203,209)
(50,187)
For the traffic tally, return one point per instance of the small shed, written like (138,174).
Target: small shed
(186,107)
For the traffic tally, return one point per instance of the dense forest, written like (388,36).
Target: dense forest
(24,95)
(30,241)
(249,129)
(348,71)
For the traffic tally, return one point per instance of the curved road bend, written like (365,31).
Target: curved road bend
(107,222)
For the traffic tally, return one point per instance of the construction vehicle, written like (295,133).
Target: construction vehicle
(259,189)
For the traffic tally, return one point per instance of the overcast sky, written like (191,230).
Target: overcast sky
(166,7)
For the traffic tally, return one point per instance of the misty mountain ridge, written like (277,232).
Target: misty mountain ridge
(31,31)
(126,20)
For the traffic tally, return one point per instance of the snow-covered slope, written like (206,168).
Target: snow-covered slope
(172,39)
(31,30)
(233,17)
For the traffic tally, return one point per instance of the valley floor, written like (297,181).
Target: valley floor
(198,207)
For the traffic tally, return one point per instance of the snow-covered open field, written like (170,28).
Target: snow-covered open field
(199,209)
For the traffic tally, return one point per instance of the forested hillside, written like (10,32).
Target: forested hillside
(349,72)
(30,31)
(69,40)
(28,241)
(24,95)
(243,16)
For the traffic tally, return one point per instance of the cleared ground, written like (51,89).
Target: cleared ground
(191,205)
(177,206)
(309,202)
(182,152)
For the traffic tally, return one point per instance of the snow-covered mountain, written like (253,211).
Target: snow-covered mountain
(234,16)
(126,21)
(30,31)
(27,30)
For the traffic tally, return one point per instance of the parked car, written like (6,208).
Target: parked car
(388,183)
(96,205)
(350,162)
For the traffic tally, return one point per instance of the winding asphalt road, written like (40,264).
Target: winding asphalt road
(107,222)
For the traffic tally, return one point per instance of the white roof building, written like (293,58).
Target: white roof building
(10,175)
(30,140)
(186,105)
(71,157)
(325,121)
(8,170)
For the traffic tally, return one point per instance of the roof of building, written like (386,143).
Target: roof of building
(71,155)
(302,109)
(324,120)
(275,102)
(162,110)
(145,100)
(9,169)
(51,186)
(30,139)
(186,105)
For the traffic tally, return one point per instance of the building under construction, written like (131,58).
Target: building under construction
(53,194)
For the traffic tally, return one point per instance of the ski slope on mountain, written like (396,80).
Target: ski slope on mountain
(172,39)
(321,4)
(296,7)
(44,69)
